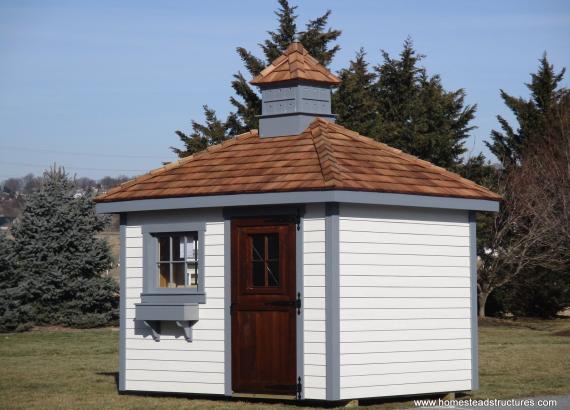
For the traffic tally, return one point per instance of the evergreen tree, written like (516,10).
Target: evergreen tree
(416,114)
(12,316)
(532,115)
(354,102)
(212,132)
(316,38)
(59,258)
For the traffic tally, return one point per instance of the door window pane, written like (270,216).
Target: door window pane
(273,246)
(265,260)
(258,273)
(258,247)
(273,273)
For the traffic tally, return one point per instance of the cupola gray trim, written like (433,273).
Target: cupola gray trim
(289,107)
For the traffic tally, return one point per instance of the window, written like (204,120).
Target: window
(173,263)
(264,260)
(177,260)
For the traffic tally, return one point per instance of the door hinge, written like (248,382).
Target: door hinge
(299,388)
(298,303)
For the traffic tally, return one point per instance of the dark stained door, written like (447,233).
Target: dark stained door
(263,306)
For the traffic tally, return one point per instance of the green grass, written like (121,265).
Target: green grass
(72,369)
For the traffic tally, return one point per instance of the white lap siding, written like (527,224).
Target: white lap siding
(405,317)
(314,336)
(173,364)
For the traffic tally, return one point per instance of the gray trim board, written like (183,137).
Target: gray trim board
(227,302)
(168,311)
(274,198)
(260,211)
(178,298)
(122,302)
(300,318)
(332,301)
(474,313)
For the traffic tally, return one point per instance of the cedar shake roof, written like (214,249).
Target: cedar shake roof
(295,64)
(326,156)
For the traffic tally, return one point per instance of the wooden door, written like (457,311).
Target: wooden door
(263,306)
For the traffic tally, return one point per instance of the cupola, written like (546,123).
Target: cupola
(295,89)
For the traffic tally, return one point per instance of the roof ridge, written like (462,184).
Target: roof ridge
(411,158)
(157,171)
(325,153)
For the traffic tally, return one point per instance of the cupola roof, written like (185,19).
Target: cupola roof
(295,64)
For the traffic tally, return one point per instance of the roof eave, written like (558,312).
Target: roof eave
(299,197)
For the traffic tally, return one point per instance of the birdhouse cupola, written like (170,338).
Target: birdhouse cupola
(295,89)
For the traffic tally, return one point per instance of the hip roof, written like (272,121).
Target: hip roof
(326,156)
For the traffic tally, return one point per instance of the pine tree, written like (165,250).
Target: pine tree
(59,258)
(354,102)
(213,131)
(316,38)
(12,317)
(416,114)
(532,115)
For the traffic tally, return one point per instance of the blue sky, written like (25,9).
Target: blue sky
(100,87)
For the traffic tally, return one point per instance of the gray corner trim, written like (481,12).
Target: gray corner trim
(274,198)
(227,303)
(149,258)
(300,318)
(332,301)
(122,302)
(474,313)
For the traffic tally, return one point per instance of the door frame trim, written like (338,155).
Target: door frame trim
(233,213)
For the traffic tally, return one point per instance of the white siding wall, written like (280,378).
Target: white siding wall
(173,364)
(314,303)
(405,318)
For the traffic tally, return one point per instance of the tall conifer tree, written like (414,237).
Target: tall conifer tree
(317,38)
(354,102)
(416,114)
(531,115)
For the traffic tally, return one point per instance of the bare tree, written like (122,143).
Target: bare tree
(532,229)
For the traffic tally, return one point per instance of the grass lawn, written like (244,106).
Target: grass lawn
(74,369)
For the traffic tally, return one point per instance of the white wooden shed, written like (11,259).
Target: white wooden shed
(301,261)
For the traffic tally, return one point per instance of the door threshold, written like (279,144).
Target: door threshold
(265,396)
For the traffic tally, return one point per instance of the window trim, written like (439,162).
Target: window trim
(150,260)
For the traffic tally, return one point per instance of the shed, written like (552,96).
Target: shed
(301,261)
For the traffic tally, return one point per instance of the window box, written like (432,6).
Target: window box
(173,276)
